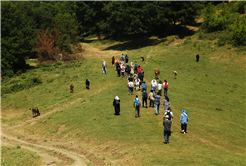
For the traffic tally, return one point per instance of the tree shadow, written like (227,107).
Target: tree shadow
(137,41)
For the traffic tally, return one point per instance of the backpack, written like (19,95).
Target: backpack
(117,102)
(169,114)
(165,85)
(137,103)
(136,65)
(123,69)
(126,57)
(145,96)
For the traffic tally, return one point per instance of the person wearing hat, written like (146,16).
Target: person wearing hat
(167,125)
(184,121)
(137,105)
(116,105)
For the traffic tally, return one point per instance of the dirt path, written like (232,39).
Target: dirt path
(47,159)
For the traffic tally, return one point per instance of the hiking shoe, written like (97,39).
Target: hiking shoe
(184,132)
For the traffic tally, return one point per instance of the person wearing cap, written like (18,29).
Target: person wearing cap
(167,125)
(137,105)
(116,105)
(184,121)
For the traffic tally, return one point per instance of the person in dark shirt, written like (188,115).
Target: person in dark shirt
(197,57)
(87,83)
(116,105)
(167,125)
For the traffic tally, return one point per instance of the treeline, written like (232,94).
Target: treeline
(227,18)
(53,27)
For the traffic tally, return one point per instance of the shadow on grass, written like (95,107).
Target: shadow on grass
(137,41)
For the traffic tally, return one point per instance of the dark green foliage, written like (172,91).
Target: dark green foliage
(213,22)
(239,32)
(15,38)
(241,7)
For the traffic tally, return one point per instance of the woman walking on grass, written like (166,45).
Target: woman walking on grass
(116,105)
(184,121)
(165,85)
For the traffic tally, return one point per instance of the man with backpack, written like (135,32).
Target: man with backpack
(167,125)
(137,105)
(122,57)
(145,97)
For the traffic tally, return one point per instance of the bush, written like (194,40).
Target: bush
(239,32)
(50,80)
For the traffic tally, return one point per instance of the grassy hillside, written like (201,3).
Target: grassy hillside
(212,92)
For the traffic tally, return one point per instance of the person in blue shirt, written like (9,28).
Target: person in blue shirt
(122,57)
(144,86)
(184,121)
(137,105)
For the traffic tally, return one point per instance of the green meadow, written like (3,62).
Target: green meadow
(212,91)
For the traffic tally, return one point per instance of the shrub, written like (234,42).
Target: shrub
(50,80)
(239,32)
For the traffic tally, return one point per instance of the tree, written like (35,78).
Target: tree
(15,37)
(68,30)
(47,45)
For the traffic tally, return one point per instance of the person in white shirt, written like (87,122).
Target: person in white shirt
(160,87)
(130,86)
(153,85)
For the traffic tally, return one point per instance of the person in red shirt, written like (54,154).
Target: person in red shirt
(139,68)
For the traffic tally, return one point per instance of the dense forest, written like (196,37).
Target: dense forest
(51,28)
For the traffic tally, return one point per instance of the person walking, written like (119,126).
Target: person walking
(184,121)
(144,86)
(130,86)
(137,105)
(135,67)
(122,57)
(87,84)
(104,67)
(166,103)
(197,58)
(132,68)
(139,68)
(122,71)
(160,87)
(151,99)
(145,97)
(118,68)
(170,114)
(116,105)
(113,60)
(153,85)
(157,103)
(165,85)
(126,58)
(167,125)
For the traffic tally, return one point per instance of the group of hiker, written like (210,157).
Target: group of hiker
(136,73)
